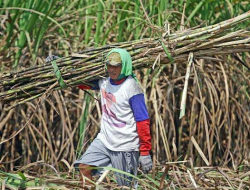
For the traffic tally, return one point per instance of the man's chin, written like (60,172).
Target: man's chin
(113,78)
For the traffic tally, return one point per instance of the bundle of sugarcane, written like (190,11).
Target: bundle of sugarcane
(85,66)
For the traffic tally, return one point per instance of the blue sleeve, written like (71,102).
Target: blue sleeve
(138,106)
(95,84)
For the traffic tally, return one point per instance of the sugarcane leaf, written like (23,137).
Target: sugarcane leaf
(197,7)
(79,55)
(58,74)
(152,180)
(135,177)
(38,13)
(12,176)
(21,175)
(99,21)
(167,52)
(184,93)
(199,150)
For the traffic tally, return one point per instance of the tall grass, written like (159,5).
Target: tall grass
(30,33)
(217,96)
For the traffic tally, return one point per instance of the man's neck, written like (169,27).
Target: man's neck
(117,82)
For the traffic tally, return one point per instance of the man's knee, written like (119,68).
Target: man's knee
(84,167)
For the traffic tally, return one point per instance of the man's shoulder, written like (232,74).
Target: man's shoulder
(131,80)
(132,86)
(103,80)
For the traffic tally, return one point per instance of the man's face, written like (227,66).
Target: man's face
(114,71)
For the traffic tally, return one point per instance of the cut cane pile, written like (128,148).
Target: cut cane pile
(204,43)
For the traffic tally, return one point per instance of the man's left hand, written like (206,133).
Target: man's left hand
(146,164)
(51,58)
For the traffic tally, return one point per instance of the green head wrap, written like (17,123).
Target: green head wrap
(126,63)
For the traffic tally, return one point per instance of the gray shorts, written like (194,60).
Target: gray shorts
(99,156)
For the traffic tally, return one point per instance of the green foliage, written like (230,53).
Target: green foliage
(37,28)
(20,181)
(83,124)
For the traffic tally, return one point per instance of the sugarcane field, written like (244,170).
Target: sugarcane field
(120,94)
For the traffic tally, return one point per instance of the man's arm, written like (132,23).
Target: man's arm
(140,111)
(143,129)
(93,85)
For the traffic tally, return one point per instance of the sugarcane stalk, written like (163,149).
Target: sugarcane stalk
(88,64)
(212,28)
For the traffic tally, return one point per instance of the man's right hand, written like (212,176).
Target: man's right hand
(51,58)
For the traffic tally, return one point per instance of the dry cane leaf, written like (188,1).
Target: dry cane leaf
(79,55)
(199,151)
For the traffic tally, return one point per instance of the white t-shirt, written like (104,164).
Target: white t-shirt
(118,125)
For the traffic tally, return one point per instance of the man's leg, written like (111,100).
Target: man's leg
(95,156)
(127,162)
(86,172)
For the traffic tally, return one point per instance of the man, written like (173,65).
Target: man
(124,140)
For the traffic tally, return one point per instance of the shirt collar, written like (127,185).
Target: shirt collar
(117,82)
